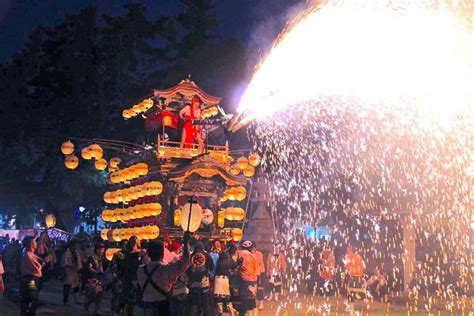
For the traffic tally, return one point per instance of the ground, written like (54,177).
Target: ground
(51,304)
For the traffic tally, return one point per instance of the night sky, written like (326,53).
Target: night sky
(255,22)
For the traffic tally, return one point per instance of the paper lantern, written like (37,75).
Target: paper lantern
(126,114)
(71,162)
(254,160)
(207,217)
(236,234)
(101,164)
(249,171)
(140,191)
(151,232)
(234,214)
(50,221)
(107,197)
(235,170)
(67,148)
(86,154)
(115,235)
(148,103)
(221,218)
(115,161)
(191,217)
(114,177)
(103,233)
(153,188)
(153,209)
(242,162)
(177,217)
(96,151)
(240,193)
(141,169)
(106,215)
(142,107)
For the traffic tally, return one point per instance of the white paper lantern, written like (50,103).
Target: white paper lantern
(207,216)
(193,210)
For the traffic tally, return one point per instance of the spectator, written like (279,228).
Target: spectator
(156,278)
(199,281)
(71,262)
(276,266)
(224,268)
(93,273)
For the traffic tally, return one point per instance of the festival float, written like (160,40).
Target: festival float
(182,182)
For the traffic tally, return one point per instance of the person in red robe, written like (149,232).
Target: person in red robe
(191,132)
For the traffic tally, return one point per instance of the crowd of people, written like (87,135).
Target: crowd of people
(191,275)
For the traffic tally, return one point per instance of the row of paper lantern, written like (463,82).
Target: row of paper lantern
(246,166)
(235,194)
(92,151)
(134,212)
(235,233)
(119,234)
(142,107)
(129,194)
(129,173)
(207,217)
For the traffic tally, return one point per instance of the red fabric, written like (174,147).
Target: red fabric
(191,130)
(249,268)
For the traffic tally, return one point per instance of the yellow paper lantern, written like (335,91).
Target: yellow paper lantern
(234,214)
(115,161)
(132,193)
(101,164)
(103,233)
(111,252)
(114,235)
(140,191)
(106,215)
(71,162)
(249,171)
(96,151)
(50,221)
(114,177)
(154,209)
(148,103)
(235,170)
(221,218)
(67,148)
(191,217)
(254,159)
(86,154)
(141,169)
(177,217)
(151,232)
(153,188)
(242,162)
(240,193)
(136,109)
(107,197)
(236,234)
(126,114)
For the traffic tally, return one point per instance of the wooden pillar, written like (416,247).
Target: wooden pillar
(409,256)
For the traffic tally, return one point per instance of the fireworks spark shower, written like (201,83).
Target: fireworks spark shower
(366,109)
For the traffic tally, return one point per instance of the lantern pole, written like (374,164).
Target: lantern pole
(191,202)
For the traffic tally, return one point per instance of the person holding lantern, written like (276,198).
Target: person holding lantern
(191,132)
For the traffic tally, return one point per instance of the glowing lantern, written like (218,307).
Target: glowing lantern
(96,151)
(103,233)
(151,232)
(50,221)
(127,233)
(136,109)
(191,217)
(236,234)
(132,193)
(242,162)
(254,160)
(207,216)
(122,232)
(114,198)
(115,161)
(86,154)
(235,170)
(148,103)
(126,114)
(107,197)
(141,169)
(140,191)
(153,188)
(101,164)
(67,148)
(114,234)
(234,214)
(110,253)
(115,177)
(221,218)
(71,162)
(106,215)
(240,193)
(249,171)
(177,217)
(153,209)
